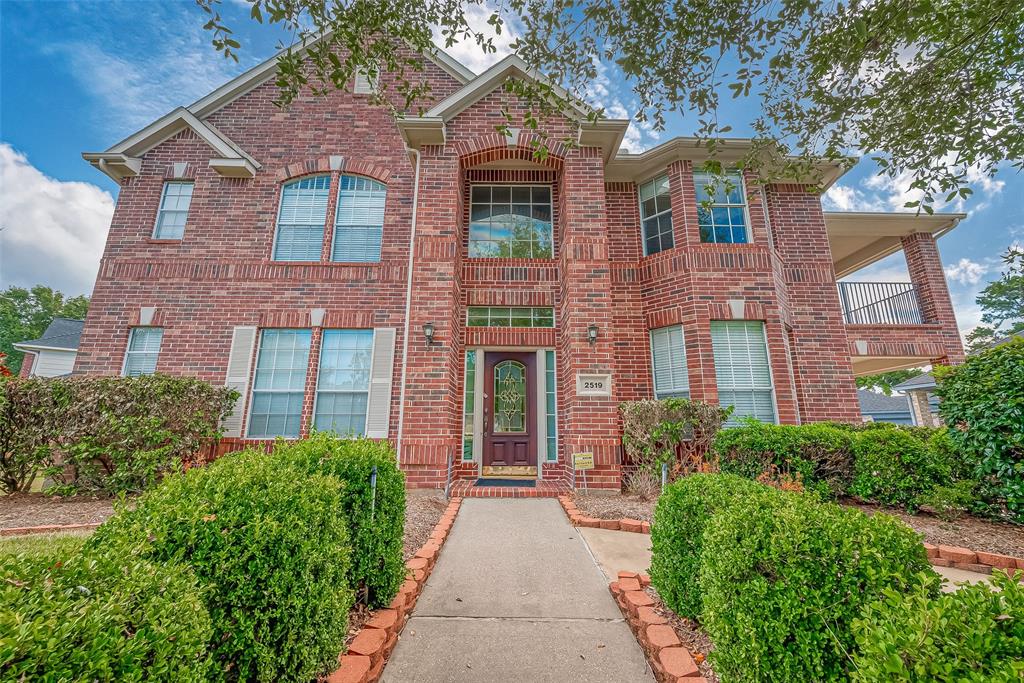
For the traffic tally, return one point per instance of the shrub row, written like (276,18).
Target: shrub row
(789,588)
(104,434)
(876,462)
(257,557)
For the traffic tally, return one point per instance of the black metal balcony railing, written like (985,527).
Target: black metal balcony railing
(880,303)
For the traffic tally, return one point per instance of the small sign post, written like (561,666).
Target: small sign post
(583,462)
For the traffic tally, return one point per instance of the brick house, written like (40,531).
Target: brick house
(429,281)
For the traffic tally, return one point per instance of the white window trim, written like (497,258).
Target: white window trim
(316,385)
(252,384)
(128,346)
(551,222)
(337,209)
(640,211)
(746,205)
(277,221)
(160,210)
(686,366)
(533,317)
(771,371)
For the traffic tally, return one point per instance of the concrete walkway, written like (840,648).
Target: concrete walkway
(516,596)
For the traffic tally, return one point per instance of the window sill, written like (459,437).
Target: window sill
(341,264)
(157,240)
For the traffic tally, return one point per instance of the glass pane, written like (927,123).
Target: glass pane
(509,397)
(521,194)
(481,194)
(501,194)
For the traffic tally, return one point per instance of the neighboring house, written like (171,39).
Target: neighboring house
(430,281)
(924,404)
(877,407)
(53,354)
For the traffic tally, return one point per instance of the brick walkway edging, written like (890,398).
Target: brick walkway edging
(369,650)
(938,555)
(669,659)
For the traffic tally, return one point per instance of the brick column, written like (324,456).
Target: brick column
(925,266)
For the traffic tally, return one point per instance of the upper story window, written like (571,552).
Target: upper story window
(743,370)
(504,316)
(510,221)
(725,220)
(343,382)
(359,221)
(174,203)
(656,215)
(280,383)
(301,218)
(668,359)
(143,351)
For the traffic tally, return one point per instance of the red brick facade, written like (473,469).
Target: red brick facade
(221,275)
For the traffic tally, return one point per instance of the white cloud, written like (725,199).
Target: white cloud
(892,268)
(600,94)
(53,231)
(468,52)
(846,198)
(966,272)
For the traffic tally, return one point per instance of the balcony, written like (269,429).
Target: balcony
(880,303)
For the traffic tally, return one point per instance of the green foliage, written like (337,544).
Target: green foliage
(887,380)
(684,511)
(66,615)
(105,434)
(983,403)
(973,635)
(25,314)
(893,467)
(672,430)
(950,501)
(376,517)
(820,453)
(783,577)
(269,544)
(1002,305)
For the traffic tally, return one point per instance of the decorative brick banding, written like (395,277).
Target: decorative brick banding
(669,659)
(370,648)
(47,529)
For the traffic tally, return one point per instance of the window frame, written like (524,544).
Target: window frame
(160,210)
(771,373)
(640,212)
(128,351)
(337,211)
(745,206)
(551,220)
(319,368)
(654,371)
(251,399)
(280,208)
(533,317)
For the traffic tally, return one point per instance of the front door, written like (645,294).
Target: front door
(510,411)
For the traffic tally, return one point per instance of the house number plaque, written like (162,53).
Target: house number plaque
(593,385)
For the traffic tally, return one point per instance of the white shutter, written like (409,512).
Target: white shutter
(378,405)
(243,339)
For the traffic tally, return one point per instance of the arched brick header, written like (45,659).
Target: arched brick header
(495,147)
(333,163)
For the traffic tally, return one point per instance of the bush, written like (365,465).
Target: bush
(983,403)
(27,423)
(952,501)
(69,616)
(677,536)
(375,524)
(783,577)
(974,634)
(673,430)
(270,545)
(893,467)
(821,454)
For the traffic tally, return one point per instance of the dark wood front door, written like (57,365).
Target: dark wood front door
(510,410)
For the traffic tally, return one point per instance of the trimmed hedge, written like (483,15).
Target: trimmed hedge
(677,535)
(975,634)
(269,543)
(893,467)
(376,519)
(783,577)
(66,615)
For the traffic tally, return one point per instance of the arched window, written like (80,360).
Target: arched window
(359,221)
(301,219)
(509,397)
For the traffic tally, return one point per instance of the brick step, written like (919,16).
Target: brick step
(544,489)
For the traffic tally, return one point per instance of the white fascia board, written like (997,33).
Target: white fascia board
(421,130)
(116,166)
(233,168)
(32,348)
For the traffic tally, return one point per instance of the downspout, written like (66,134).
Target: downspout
(408,307)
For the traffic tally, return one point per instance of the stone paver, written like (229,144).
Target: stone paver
(516,596)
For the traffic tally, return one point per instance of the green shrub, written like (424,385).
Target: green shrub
(72,616)
(893,467)
(952,501)
(983,403)
(975,634)
(783,577)
(376,517)
(270,545)
(672,430)
(682,514)
(820,453)
(27,424)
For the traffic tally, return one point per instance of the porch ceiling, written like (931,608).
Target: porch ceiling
(873,365)
(858,239)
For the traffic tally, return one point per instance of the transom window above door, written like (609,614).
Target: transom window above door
(510,221)
(504,316)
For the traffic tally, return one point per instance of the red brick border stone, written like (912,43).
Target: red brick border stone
(369,651)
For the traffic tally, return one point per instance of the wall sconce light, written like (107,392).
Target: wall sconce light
(592,334)
(428,333)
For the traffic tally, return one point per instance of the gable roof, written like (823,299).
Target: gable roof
(925,381)
(62,334)
(873,402)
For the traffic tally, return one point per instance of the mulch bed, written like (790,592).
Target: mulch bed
(423,510)
(39,509)
(690,633)
(604,506)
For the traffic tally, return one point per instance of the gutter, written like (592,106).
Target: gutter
(408,308)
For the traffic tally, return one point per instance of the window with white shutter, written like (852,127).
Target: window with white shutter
(243,339)
(301,219)
(359,220)
(143,351)
(174,203)
(343,381)
(378,408)
(743,370)
(280,383)
(668,359)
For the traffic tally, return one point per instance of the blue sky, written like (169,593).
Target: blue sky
(79,76)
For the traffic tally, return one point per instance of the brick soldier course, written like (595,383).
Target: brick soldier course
(218,288)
